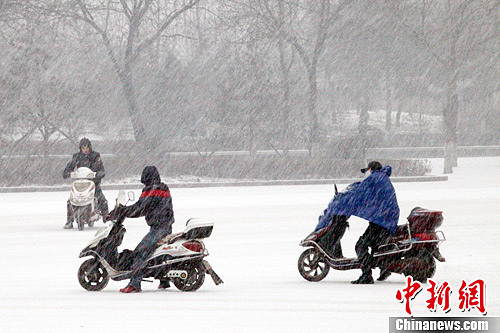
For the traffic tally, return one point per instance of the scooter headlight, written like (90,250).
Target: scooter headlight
(80,199)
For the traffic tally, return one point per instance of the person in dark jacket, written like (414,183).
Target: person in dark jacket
(88,158)
(373,199)
(155,204)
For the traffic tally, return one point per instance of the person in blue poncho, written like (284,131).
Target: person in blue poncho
(373,199)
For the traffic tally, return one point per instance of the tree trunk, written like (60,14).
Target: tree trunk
(129,89)
(135,116)
(388,108)
(285,70)
(450,119)
(450,115)
(314,125)
(285,116)
(252,145)
(364,117)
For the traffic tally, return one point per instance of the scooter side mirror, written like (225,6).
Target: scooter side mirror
(131,196)
(336,190)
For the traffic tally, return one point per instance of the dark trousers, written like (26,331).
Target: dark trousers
(374,236)
(143,250)
(102,205)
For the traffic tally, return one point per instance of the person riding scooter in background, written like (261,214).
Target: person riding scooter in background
(373,199)
(91,159)
(155,204)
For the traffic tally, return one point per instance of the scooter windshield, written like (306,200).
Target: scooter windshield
(82,186)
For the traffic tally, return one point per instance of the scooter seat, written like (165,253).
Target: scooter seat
(170,238)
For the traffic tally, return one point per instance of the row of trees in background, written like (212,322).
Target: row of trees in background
(245,74)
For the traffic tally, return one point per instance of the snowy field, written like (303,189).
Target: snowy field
(254,248)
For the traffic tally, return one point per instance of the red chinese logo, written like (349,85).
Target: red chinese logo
(472,295)
(439,296)
(409,293)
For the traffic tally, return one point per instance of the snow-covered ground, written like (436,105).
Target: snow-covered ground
(254,248)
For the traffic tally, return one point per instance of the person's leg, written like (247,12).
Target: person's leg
(380,236)
(102,203)
(141,253)
(364,257)
(372,238)
(69,216)
(143,250)
(362,246)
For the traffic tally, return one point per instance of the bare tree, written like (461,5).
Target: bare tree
(306,27)
(449,31)
(34,101)
(127,33)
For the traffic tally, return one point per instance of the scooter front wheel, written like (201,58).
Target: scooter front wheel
(92,275)
(312,265)
(82,216)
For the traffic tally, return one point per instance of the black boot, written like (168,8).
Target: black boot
(365,278)
(164,284)
(384,274)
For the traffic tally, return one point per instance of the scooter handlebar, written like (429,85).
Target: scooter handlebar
(116,215)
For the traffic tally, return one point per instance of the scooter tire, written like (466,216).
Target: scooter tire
(422,268)
(194,280)
(312,265)
(92,275)
(82,216)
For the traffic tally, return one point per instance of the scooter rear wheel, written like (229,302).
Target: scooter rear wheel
(421,268)
(195,279)
(92,275)
(312,265)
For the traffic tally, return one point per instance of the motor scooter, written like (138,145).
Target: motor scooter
(411,251)
(178,257)
(82,199)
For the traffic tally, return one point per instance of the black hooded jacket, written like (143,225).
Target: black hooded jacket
(155,202)
(92,160)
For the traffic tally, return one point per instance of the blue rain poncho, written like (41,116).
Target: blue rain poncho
(373,199)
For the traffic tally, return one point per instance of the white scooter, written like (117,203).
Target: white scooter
(178,257)
(82,198)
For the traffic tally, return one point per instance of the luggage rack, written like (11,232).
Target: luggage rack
(406,244)
(397,247)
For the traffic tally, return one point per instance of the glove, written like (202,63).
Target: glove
(112,215)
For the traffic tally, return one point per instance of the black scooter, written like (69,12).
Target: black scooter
(412,250)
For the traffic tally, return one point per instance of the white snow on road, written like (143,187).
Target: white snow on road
(254,248)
